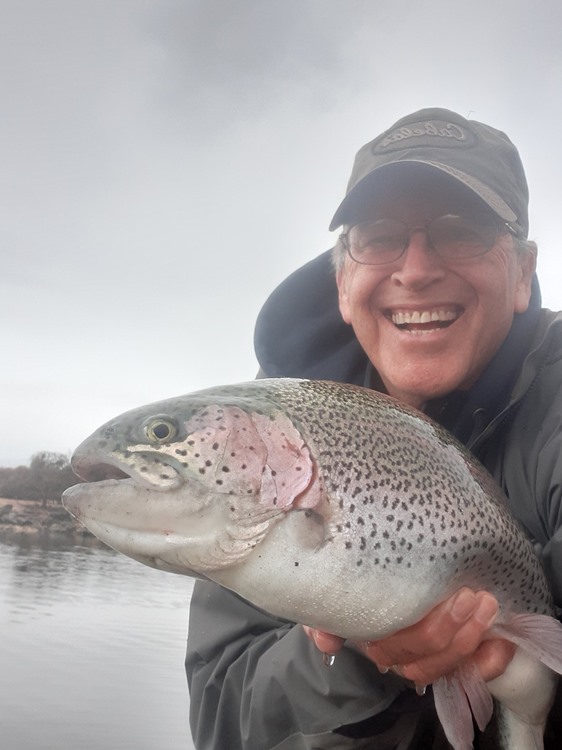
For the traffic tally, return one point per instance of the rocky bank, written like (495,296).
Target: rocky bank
(38,517)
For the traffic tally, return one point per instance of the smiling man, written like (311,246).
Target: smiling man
(430,296)
(430,282)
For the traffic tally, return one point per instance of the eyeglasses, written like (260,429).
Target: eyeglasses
(451,237)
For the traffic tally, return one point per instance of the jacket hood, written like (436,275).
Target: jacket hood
(300,332)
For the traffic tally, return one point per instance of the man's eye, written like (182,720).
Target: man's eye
(381,239)
(464,234)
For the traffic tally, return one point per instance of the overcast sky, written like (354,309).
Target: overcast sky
(166,163)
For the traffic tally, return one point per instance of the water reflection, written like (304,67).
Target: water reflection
(92,651)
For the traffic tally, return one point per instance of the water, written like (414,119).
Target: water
(91,651)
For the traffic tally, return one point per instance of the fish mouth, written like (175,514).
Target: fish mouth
(148,471)
(150,546)
(141,523)
(95,471)
(424,319)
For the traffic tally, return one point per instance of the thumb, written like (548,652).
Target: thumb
(325,642)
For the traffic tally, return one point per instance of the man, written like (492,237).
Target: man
(434,301)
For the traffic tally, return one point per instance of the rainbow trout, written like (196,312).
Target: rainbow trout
(332,506)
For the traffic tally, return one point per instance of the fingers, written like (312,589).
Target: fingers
(492,658)
(325,642)
(452,631)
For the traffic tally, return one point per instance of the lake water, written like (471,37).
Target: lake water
(91,651)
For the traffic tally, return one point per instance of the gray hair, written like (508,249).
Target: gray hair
(522,247)
(338,253)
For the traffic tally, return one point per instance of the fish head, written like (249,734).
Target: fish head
(191,484)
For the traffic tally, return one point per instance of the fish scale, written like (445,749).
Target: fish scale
(439,498)
(333,506)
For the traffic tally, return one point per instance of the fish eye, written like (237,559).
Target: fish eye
(161,430)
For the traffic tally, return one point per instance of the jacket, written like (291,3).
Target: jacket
(257,682)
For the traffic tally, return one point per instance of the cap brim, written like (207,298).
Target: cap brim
(361,194)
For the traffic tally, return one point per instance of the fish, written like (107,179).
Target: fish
(332,506)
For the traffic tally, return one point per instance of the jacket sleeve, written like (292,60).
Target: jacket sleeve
(258,683)
(549,490)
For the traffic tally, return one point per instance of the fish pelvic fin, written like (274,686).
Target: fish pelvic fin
(524,693)
(458,697)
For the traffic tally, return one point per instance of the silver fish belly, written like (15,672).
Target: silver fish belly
(332,506)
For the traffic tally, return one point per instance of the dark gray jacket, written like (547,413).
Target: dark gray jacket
(256,682)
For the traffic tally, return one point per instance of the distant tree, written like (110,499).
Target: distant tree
(16,483)
(46,478)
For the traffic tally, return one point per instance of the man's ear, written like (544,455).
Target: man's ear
(527,267)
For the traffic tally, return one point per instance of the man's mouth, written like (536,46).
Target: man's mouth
(424,321)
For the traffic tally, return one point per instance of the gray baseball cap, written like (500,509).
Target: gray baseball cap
(477,155)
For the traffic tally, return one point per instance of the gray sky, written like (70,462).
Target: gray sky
(166,163)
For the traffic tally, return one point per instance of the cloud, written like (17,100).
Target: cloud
(166,164)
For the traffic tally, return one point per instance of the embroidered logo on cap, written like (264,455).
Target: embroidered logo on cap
(428,133)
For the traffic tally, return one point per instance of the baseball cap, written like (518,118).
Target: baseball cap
(477,155)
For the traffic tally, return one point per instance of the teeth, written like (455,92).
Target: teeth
(412,317)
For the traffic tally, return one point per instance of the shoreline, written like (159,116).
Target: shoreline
(38,518)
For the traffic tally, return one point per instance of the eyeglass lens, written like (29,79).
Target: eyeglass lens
(450,236)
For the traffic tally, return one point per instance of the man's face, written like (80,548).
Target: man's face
(430,325)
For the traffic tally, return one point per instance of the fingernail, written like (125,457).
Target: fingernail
(486,611)
(463,606)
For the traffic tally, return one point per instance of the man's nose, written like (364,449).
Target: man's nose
(419,265)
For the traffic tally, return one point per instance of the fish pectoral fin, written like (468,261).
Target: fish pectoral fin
(306,528)
(538,635)
(458,697)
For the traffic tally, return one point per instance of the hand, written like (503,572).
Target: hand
(453,631)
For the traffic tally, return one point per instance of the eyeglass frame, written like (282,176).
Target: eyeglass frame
(500,228)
